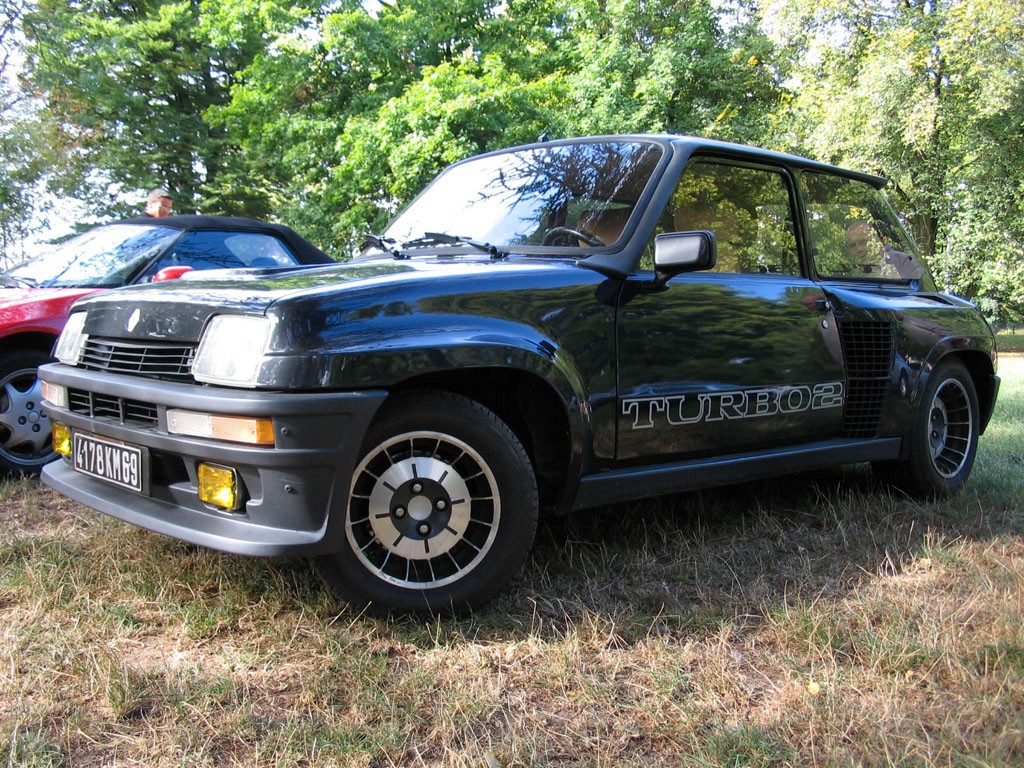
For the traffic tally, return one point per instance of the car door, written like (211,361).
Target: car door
(741,358)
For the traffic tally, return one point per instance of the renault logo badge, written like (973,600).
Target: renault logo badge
(133,319)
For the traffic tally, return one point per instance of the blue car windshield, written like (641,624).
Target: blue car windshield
(535,199)
(104,257)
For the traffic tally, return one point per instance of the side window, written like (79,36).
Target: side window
(748,209)
(225,250)
(854,232)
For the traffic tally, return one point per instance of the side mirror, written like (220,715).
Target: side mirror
(169,273)
(677,252)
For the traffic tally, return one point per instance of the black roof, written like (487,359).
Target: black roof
(701,145)
(304,251)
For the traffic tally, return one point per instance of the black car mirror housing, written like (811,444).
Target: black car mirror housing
(678,252)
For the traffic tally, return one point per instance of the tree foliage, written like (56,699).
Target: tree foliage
(21,159)
(379,101)
(130,83)
(331,115)
(664,65)
(928,93)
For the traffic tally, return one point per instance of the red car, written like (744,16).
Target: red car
(35,298)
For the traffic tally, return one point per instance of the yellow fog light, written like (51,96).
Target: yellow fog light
(61,438)
(218,486)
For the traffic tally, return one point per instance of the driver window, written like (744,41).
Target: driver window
(749,211)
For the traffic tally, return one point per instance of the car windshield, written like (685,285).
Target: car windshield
(535,198)
(103,257)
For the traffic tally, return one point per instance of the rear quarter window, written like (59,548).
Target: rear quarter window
(855,234)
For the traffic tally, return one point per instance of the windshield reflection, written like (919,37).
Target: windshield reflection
(539,197)
(104,257)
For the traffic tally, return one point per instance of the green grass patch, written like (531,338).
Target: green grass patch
(1010,341)
(29,748)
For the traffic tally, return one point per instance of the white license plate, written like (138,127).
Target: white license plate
(124,465)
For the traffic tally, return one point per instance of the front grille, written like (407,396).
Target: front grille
(118,409)
(869,349)
(169,362)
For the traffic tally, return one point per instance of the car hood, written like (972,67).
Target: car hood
(178,310)
(37,308)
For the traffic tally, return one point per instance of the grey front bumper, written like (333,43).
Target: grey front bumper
(295,493)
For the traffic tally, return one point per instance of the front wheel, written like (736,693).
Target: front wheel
(442,510)
(945,435)
(24,428)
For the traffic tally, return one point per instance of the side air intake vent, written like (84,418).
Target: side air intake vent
(869,348)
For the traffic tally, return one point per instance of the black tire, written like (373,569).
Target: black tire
(442,510)
(25,444)
(944,440)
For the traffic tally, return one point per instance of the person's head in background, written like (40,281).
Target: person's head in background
(159,203)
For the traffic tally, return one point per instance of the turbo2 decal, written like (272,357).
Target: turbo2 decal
(680,410)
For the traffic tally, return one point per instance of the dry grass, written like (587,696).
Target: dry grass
(806,621)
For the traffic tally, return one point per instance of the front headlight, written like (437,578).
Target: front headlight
(232,349)
(72,340)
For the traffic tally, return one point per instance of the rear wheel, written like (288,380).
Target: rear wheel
(945,436)
(24,429)
(442,509)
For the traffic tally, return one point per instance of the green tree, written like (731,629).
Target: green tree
(455,110)
(927,92)
(20,168)
(371,105)
(666,65)
(331,115)
(130,83)
(342,120)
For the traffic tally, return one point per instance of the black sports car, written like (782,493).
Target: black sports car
(550,327)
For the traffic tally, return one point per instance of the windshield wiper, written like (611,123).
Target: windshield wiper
(440,238)
(381,243)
